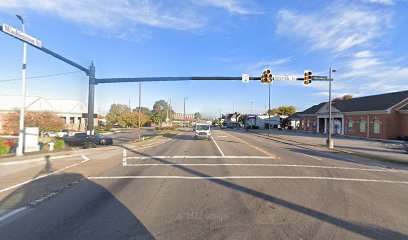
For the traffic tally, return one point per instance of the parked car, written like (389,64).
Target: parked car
(79,139)
(406,146)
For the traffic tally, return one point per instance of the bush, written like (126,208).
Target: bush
(4,149)
(59,144)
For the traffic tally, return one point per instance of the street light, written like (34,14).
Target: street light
(330,143)
(20,147)
(186,98)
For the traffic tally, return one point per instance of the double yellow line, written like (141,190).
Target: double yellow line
(253,146)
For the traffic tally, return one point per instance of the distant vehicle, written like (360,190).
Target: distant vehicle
(223,127)
(406,146)
(202,130)
(79,139)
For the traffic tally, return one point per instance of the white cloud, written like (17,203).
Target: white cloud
(337,28)
(256,69)
(384,2)
(233,6)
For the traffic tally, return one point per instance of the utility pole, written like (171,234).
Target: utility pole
(184,118)
(330,143)
(233,107)
(140,109)
(21,133)
(130,109)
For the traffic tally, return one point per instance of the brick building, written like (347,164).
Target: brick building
(382,116)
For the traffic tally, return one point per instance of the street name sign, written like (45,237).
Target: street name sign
(320,78)
(21,35)
(283,77)
(245,78)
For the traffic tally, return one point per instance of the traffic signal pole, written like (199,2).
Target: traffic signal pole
(269,111)
(91,106)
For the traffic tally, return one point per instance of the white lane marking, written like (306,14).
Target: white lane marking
(203,157)
(218,147)
(265,165)
(14,212)
(37,160)
(310,156)
(85,157)
(42,176)
(124,161)
(252,177)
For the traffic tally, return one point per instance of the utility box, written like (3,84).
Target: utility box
(31,139)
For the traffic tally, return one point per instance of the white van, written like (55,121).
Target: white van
(202,130)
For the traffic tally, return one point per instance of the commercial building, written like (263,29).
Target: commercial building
(383,116)
(69,110)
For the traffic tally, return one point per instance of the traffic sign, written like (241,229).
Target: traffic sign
(21,35)
(319,78)
(245,78)
(283,77)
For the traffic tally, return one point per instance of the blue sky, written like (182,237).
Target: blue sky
(364,40)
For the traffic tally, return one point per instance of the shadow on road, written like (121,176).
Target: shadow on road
(370,231)
(72,207)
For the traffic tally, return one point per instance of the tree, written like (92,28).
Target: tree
(197,116)
(131,119)
(344,97)
(159,112)
(282,110)
(146,111)
(45,121)
(115,111)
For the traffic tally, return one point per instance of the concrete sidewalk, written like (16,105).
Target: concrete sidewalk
(381,150)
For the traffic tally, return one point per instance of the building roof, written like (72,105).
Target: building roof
(404,107)
(39,104)
(371,103)
(313,109)
(295,115)
(379,102)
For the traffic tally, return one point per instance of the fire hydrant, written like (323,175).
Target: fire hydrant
(51,145)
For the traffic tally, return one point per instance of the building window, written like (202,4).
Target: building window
(350,126)
(363,125)
(377,125)
(64,119)
(308,123)
(71,120)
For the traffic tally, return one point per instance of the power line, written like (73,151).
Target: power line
(43,76)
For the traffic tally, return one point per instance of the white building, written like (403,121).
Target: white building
(69,110)
(261,120)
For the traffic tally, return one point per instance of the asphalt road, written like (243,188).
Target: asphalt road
(236,186)
(123,135)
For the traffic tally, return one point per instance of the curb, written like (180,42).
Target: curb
(368,156)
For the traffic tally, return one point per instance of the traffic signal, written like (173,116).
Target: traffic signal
(266,76)
(308,78)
